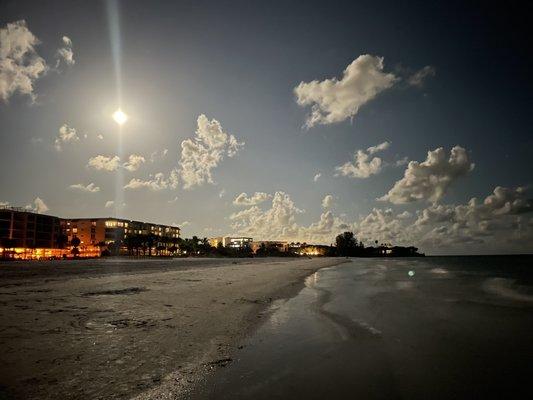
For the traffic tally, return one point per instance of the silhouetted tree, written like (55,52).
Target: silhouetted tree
(346,244)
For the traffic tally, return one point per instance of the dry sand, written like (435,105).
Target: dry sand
(121,329)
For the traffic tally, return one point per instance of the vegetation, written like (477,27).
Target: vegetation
(348,246)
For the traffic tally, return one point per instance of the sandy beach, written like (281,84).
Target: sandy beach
(106,329)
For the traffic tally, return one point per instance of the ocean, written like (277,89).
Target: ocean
(384,328)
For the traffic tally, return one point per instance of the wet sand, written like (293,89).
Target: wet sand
(106,329)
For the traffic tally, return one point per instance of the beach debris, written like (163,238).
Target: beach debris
(265,300)
(222,362)
(111,292)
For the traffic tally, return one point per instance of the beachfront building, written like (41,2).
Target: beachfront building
(28,235)
(232,242)
(96,234)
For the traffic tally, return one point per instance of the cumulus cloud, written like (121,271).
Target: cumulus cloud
(156,182)
(317,177)
(419,77)
(327,201)
(363,166)
(66,134)
(134,162)
(20,65)
(201,154)
(104,163)
(38,206)
(279,222)
(65,52)
(497,223)
(335,100)
(430,179)
(500,221)
(257,198)
(90,188)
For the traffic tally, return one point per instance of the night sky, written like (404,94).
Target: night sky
(406,122)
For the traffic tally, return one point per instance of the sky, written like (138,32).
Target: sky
(405,122)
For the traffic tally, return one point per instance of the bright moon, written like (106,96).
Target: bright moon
(120,117)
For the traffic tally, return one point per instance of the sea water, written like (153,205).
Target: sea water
(384,328)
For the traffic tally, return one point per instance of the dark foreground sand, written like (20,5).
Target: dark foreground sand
(122,329)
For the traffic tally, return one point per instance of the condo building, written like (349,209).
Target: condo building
(95,233)
(25,234)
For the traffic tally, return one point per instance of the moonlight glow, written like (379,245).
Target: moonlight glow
(120,117)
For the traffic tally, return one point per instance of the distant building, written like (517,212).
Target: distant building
(279,245)
(27,235)
(230,241)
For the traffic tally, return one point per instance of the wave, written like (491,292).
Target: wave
(507,289)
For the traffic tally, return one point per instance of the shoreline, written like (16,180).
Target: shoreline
(180,384)
(134,329)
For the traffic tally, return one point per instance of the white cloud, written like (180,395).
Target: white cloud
(257,198)
(91,187)
(363,166)
(429,180)
(134,162)
(327,201)
(104,163)
(65,53)
(100,136)
(20,65)
(158,154)
(156,182)
(66,135)
(109,204)
(201,154)
(279,222)
(222,193)
(182,224)
(317,176)
(420,76)
(333,100)
(174,200)
(402,161)
(497,223)
(38,206)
